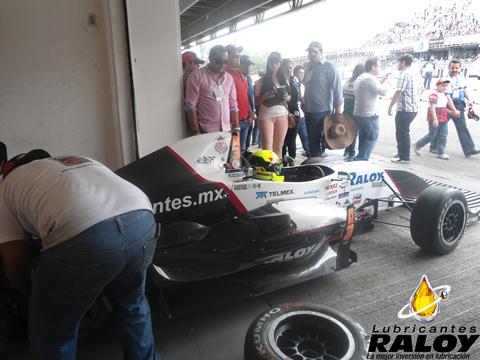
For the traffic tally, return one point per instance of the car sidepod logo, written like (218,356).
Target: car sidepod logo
(178,203)
(261,195)
(294,254)
(357,179)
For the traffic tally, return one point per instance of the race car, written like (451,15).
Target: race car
(221,222)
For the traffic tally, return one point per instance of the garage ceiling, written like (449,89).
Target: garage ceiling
(201,19)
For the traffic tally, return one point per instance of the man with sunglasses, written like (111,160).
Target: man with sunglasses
(245,115)
(323,95)
(211,98)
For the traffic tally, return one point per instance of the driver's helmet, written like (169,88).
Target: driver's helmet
(266,165)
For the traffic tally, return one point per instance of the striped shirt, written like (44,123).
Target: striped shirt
(410,84)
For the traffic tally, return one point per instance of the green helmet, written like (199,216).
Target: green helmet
(266,166)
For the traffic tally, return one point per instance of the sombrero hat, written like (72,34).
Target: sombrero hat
(340,131)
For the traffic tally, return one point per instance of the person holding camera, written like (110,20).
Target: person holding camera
(272,92)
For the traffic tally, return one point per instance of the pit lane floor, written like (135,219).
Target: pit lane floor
(371,291)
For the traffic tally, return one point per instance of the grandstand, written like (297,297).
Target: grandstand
(444,29)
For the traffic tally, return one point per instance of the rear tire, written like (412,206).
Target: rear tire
(438,219)
(301,332)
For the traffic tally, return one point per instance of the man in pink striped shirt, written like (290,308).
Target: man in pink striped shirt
(211,99)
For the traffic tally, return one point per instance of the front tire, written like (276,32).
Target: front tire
(301,332)
(438,219)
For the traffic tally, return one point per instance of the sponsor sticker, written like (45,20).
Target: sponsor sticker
(187,201)
(205,159)
(221,145)
(246,186)
(265,194)
(357,179)
(421,338)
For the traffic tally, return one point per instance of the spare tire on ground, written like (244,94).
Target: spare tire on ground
(304,331)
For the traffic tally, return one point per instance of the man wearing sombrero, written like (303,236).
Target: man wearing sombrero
(323,94)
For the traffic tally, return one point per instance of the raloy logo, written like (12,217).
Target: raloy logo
(423,340)
(423,304)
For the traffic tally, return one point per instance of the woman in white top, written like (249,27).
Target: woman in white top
(272,92)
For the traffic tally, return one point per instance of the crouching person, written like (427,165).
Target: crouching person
(97,232)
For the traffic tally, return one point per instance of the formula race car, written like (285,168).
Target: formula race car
(225,219)
(219,222)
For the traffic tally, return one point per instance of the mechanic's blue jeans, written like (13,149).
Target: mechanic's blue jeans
(314,122)
(302,132)
(403,119)
(440,133)
(113,255)
(244,125)
(367,128)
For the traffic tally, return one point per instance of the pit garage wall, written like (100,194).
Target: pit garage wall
(58,73)
(55,90)
(154,32)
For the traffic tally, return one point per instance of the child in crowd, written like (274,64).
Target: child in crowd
(437,117)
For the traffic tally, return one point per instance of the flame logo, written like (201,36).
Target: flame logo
(424,301)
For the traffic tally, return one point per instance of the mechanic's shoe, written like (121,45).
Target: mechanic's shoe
(417,150)
(323,154)
(350,158)
(400,161)
(433,151)
(395,155)
(473,153)
(304,153)
(443,156)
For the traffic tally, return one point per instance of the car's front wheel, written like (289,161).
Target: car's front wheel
(438,219)
(304,332)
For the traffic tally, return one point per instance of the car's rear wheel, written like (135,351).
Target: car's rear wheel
(438,219)
(304,332)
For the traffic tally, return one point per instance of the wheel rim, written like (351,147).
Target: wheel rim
(310,335)
(453,222)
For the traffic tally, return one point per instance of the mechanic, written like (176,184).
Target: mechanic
(97,232)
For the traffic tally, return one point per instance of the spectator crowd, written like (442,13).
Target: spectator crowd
(310,101)
(439,19)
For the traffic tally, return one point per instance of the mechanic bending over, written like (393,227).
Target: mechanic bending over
(97,231)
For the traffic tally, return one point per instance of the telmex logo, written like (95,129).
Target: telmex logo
(261,195)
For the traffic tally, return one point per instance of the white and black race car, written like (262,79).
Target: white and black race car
(219,222)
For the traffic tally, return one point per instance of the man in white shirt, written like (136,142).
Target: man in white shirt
(367,88)
(97,232)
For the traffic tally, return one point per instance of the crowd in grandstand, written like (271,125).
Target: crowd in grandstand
(437,21)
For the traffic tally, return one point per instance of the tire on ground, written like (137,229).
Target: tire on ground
(304,331)
(438,219)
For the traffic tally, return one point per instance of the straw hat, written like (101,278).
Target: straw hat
(340,130)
